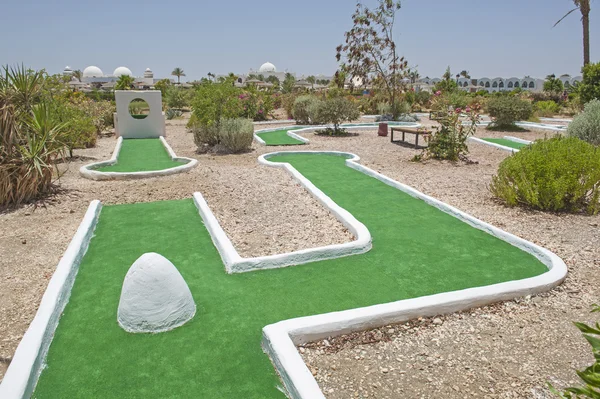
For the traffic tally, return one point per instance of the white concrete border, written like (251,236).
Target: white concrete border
(518,140)
(500,146)
(89,171)
(29,358)
(280,339)
(276,122)
(293,133)
(234,263)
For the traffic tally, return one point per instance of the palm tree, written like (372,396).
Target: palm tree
(124,82)
(78,74)
(312,80)
(584,7)
(179,73)
(465,74)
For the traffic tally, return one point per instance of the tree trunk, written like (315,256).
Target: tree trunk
(586,38)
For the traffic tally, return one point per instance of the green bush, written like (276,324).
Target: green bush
(215,101)
(589,88)
(236,135)
(172,113)
(448,140)
(336,111)
(176,97)
(557,174)
(546,108)
(506,110)
(301,108)
(586,125)
(205,135)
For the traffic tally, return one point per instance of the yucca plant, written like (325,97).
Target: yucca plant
(591,375)
(29,137)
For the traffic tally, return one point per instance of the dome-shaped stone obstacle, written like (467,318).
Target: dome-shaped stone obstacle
(155,297)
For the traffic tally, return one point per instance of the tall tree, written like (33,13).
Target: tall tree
(179,73)
(584,7)
(288,83)
(370,53)
(552,84)
(465,74)
(312,80)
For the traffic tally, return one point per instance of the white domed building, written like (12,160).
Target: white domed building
(120,71)
(92,72)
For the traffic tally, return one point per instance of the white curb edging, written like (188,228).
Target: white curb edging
(518,140)
(280,339)
(29,358)
(500,146)
(88,171)
(234,263)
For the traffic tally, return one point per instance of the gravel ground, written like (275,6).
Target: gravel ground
(503,351)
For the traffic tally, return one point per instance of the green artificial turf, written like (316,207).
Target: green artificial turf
(507,143)
(280,137)
(141,155)
(417,250)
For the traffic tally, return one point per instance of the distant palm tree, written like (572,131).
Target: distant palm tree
(584,7)
(124,82)
(465,74)
(413,76)
(78,74)
(179,73)
(312,80)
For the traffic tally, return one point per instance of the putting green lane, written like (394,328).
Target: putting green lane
(141,155)
(507,143)
(280,137)
(417,250)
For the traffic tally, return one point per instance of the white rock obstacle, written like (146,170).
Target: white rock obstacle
(155,297)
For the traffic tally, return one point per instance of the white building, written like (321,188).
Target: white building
(267,70)
(493,85)
(92,76)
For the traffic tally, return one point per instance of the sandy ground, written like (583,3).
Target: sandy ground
(503,351)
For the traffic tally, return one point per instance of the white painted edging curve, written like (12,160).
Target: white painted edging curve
(518,140)
(293,132)
(500,146)
(280,339)
(234,263)
(28,361)
(88,171)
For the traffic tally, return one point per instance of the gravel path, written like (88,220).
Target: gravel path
(503,351)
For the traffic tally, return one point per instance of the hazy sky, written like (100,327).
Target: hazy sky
(488,38)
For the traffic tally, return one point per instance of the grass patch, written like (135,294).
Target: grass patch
(507,143)
(280,137)
(417,250)
(141,155)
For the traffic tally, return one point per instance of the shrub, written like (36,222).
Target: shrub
(236,135)
(449,140)
(176,97)
(257,105)
(301,108)
(546,108)
(591,375)
(287,102)
(586,125)
(172,113)
(205,135)
(336,111)
(215,101)
(558,174)
(589,88)
(506,110)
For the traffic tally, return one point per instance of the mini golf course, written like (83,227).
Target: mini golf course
(417,250)
(141,155)
(506,143)
(280,137)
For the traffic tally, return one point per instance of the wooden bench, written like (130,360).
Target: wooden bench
(409,130)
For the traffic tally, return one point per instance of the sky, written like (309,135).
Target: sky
(487,38)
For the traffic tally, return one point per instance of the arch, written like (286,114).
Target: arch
(517,85)
(487,84)
(531,85)
(501,85)
(510,85)
(495,84)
